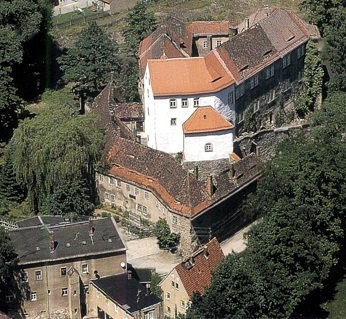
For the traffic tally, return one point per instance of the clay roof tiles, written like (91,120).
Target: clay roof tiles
(209,27)
(206,119)
(195,274)
(187,76)
(161,174)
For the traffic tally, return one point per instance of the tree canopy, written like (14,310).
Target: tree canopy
(63,147)
(293,248)
(89,63)
(140,23)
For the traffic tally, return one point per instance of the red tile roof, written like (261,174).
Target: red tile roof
(206,119)
(161,174)
(187,76)
(209,28)
(195,273)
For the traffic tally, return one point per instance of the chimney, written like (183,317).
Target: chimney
(210,186)
(231,171)
(206,252)
(91,228)
(196,172)
(51,242)
(129,274)
(247,23)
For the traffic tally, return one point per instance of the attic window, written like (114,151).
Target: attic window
(267,52)
(208,147)
(244,67)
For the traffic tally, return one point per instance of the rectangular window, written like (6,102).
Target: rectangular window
(64,292)
(208,147)
(205,44)
(184,103)
(286,85)
(230,98)
(9,298)
(24,277)
(168,296)
(149,315)
(182,303)
(173,121)
(33,296)
(256,106)
(38,275)
(173,284)
(110,180)
(175,220)
(270,71)
(196,102)
(136,191)
(86,289)
(63,271)
(176,286)
(128,188)
(286,60)
(254,81)
(101,178)
(145,211)
(118,183)
(112,198)
(172,103)
(139,207)
(106,195)
(85,268)
(218,42)
(271,96)
(146,195)
(300,51)
(239,91)
(240,117)
(168,309)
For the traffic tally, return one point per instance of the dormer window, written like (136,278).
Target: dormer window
(184,103)
(208,147)
(196,102)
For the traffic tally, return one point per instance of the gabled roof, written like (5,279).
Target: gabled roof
(103,106)
(196,272)
(187,76)
(130,294)
(206,119)
(203,28)
(161,174)
(69,240)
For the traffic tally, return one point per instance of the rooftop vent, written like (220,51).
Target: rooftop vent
(83,242)
(68,245)
(37,248)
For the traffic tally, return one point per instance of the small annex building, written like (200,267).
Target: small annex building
(207,136)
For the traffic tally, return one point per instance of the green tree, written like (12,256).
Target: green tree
(89,63)
(312,81)
(63,148)
(165,238)
(155,284)
(128,79)
(140,23)
(300,238)
(335,38)
(8,262)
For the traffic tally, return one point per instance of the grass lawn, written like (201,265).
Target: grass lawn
(337,306)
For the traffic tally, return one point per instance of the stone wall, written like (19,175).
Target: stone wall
(265,142)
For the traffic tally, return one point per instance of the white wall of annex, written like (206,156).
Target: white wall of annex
(194,146)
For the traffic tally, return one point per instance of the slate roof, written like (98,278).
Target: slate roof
(103,106)
(69,240)
(129,293)
(187,76)
(161,174)
(41,221)
(206,119)
(195,273)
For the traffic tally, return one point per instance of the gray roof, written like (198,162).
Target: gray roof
(40,221)
(69,240)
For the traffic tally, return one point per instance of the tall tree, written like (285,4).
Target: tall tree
(89,63)
(62,147)
(301,235)
(140,23)
(312,81)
